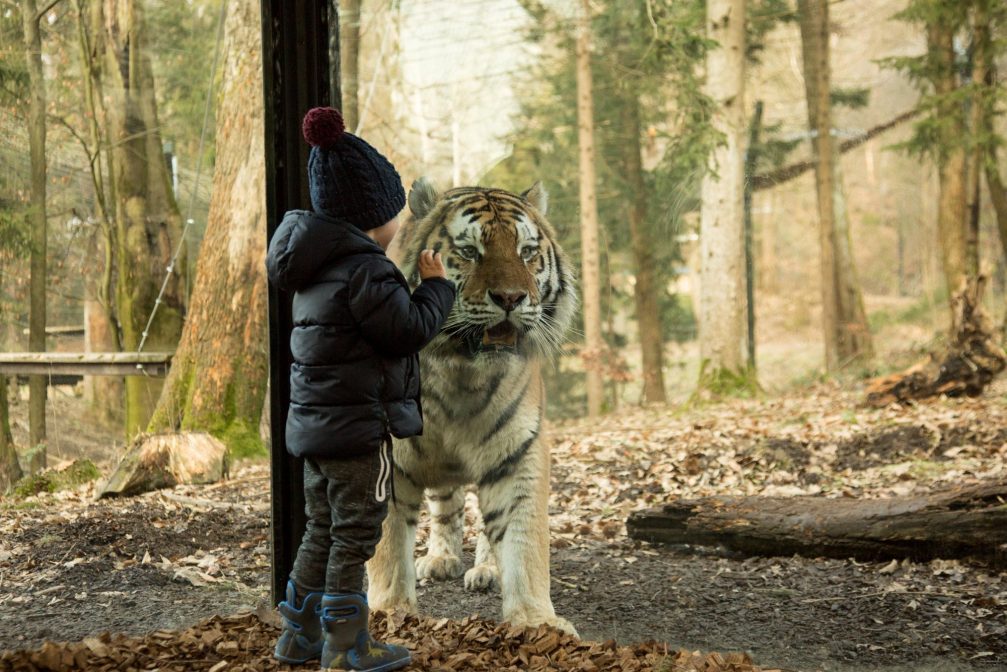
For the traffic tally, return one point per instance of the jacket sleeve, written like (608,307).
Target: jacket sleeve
(393,321)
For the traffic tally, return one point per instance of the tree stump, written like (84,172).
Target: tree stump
(969,363)
(166,460)
(961,523)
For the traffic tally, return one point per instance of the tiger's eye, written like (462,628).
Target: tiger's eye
(529,253)
(468,252)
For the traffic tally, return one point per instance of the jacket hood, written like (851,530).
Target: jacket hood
(306,243)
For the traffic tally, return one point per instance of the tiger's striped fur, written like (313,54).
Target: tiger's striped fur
(483,402)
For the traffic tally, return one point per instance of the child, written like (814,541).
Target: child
(354,382)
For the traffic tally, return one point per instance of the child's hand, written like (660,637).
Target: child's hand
(431,266)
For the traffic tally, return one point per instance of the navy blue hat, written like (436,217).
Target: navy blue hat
(348,178)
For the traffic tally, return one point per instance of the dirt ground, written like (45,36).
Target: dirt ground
(71,568)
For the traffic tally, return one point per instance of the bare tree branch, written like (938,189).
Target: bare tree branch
(787,173)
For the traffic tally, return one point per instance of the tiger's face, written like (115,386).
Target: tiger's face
(515,287)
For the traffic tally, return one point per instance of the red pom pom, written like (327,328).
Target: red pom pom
(322,126)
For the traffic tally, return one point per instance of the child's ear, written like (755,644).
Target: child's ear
(422,198)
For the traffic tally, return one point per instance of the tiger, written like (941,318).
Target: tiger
(483,402)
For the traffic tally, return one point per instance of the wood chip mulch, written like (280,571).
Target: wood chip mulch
(244,643)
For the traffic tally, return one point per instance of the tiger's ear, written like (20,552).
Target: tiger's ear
(422,198)
(538,197)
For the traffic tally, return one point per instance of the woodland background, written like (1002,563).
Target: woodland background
(790,233)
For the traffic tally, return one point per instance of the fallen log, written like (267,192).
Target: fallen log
(961,523)
(969,362)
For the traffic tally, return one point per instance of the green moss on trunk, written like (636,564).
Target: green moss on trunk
(720,383)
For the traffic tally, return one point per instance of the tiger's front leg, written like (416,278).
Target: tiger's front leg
(391,575)
(444,549)
(514,499)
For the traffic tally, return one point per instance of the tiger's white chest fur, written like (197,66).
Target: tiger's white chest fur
(477,414)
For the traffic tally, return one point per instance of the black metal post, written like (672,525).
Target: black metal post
(751,157)
(296,37)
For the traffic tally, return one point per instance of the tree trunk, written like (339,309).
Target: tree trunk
(10,469)
(976,123)
(217,381)
(964,522)
(951,213)
(998,195)
(148,226)
(349,59)
(646,289)
(994,183)
(814,46)
(591,265)
(722,309)
(104,392)
(37,387)
(844,320)
(855,342)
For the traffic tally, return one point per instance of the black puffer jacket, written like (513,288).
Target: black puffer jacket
(357,332)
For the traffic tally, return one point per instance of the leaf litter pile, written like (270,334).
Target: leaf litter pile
(71,568)
(245,642)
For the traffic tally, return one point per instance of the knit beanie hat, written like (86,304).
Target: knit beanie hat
(348,178)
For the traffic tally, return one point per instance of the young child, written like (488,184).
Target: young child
(354,384)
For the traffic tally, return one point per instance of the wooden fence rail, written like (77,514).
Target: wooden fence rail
(85,364)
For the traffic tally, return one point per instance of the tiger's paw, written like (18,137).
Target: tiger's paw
(396,595)
(482,578)
(439,567)
(564,625)
(555,621)
(386,601)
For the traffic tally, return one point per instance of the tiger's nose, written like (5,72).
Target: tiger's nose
(508,300)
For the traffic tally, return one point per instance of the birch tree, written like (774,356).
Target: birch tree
(722,304)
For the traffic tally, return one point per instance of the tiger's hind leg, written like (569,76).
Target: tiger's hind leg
(484,575)
(443,560)
(391,577)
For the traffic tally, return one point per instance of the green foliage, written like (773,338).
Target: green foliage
(13,69)
(920,312)
(78,473)
(678,320)
(14,239)
(942,128)
(646,71)
(851,98)
(183,36)
(761,17)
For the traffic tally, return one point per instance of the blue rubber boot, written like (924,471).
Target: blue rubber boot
(348,644)
(301,639)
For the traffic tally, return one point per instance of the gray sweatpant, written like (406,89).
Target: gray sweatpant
(346,501)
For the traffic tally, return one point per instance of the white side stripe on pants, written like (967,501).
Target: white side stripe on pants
(385,474)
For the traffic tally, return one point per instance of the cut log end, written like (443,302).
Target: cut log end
(165,460)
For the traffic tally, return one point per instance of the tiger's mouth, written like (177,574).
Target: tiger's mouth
(502,338)
(502,335)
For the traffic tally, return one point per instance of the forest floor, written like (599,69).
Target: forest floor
(71,568)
